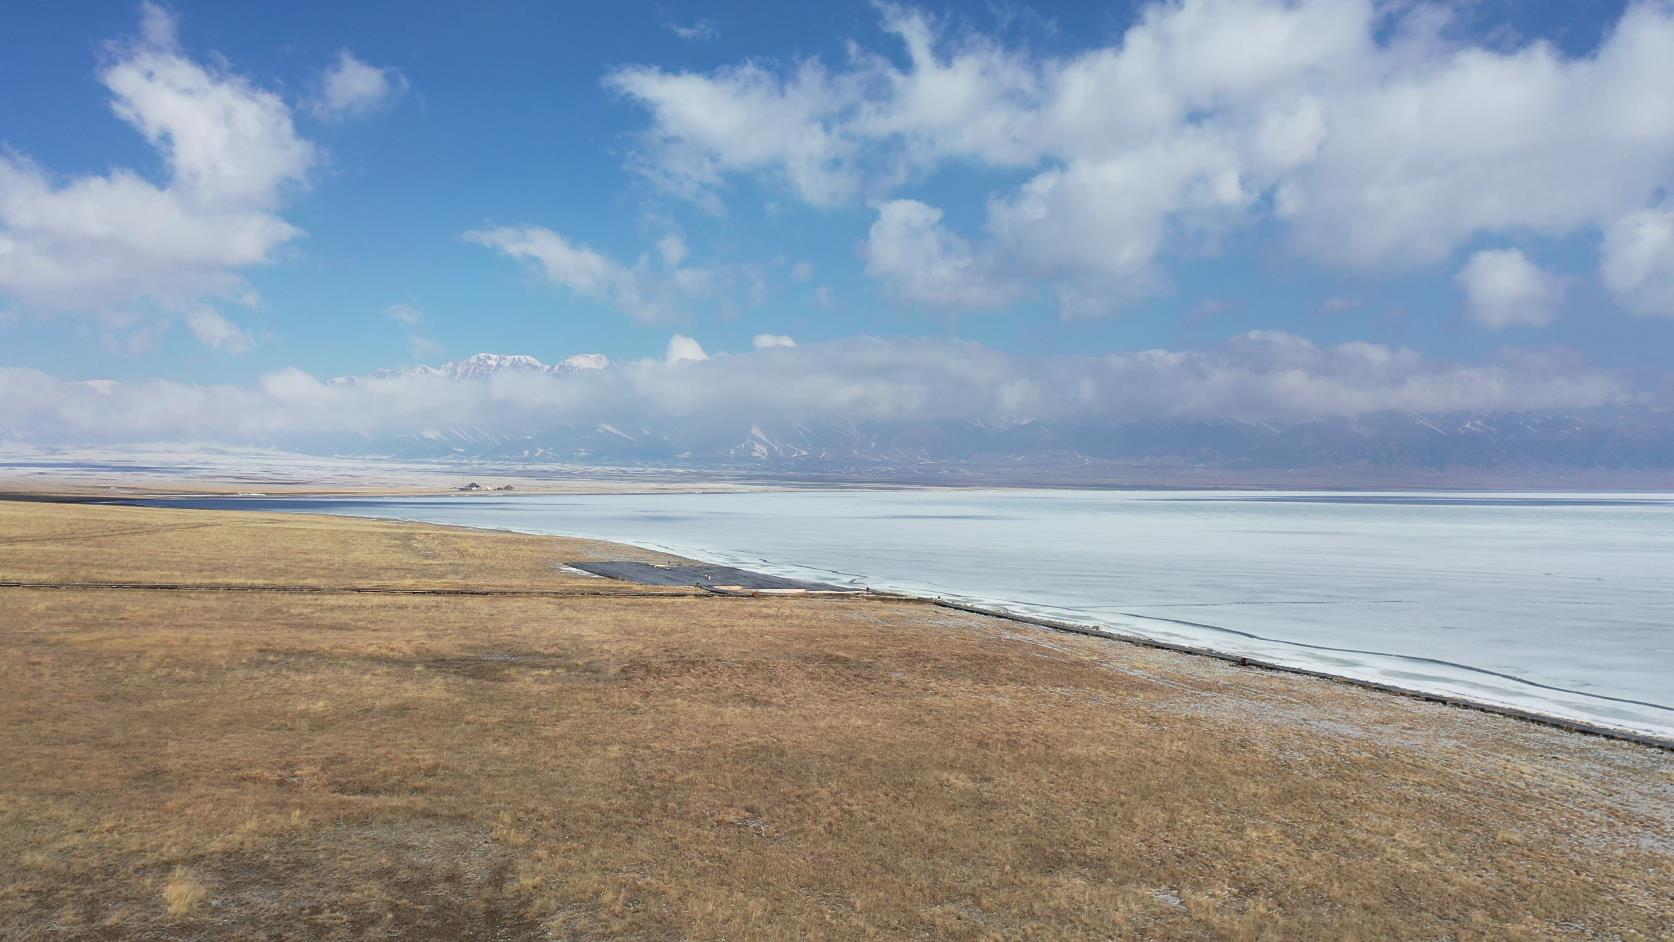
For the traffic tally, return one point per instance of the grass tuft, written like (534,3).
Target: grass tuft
(182,892)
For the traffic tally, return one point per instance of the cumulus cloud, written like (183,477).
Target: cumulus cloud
(919,260)
(99,244)
(1638,261)
(351,88)
(1504,289)
(683,349)
(742,118)
(646,291)
(769,341)
(216,332)
(1260,376)
(1371,136)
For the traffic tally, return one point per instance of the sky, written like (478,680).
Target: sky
(1212,208)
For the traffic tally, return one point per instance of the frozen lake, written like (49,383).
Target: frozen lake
(1559,603)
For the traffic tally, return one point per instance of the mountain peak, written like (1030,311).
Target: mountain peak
(480,365)
(484,365)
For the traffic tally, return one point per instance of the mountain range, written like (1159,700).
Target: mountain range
(484,365)
(1626,442)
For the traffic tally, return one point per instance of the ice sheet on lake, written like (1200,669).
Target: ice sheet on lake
(1560,603)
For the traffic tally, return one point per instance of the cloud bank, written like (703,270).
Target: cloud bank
(1366,133)
(1262,376)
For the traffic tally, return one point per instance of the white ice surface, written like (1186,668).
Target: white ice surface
(1439,592)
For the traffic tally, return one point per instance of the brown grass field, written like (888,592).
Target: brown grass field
(277,764)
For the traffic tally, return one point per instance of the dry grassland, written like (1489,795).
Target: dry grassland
(281,765)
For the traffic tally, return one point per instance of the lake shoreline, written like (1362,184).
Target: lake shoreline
(446,697)
(1309,604)
(974,606)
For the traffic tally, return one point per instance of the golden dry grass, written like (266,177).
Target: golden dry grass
(206,765)
(182,892)
(97,543)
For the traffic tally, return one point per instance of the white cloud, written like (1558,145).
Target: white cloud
(216,332)
(1367,132)
(351,88)
(683,349)
(1504,289)
(159,26)
(646,292)
(225,140)
(1638,261)
(743,118)
(1261,376)
(769,341)
(697,31)
(802,271)
(920,261)
(404,313)
(96,244)
(574,266)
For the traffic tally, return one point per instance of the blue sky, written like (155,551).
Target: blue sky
(1033,180)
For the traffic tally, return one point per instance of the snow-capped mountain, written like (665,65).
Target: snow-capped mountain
(483,365)
(1555,444)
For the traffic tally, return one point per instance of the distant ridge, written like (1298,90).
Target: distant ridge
(484,365)
(1549,444)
